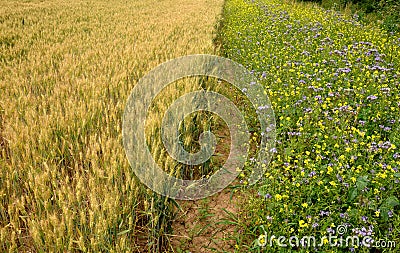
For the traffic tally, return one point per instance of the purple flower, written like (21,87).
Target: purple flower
(312,173)
(263,107)
(264,75)
(308,110)
(330,230)
(369,241)
(385,90)
(344,70)
(268,129)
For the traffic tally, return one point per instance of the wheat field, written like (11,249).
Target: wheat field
(66,70)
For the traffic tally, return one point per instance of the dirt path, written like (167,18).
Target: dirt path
(204,225)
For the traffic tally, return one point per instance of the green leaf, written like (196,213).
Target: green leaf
(263,190)
(353,193)
(391,202)
(388,205)
(362,182)
(384,213)
(176,204)
(123,232)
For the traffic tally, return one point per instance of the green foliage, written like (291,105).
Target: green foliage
(333,83)
(384,12)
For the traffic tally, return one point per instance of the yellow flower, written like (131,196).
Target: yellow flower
(305,205)
(303,224)
(261,240)
(382,175)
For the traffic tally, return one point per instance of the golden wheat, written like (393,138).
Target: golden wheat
(66,70)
